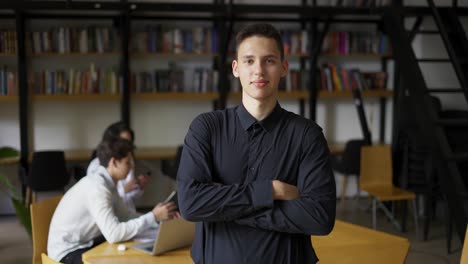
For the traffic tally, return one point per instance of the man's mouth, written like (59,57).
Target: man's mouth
(260,83)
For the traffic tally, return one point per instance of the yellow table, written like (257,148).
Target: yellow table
(347,243)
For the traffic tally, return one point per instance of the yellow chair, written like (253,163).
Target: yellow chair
(464,254)
(41,215)
(47,260)
(376,180)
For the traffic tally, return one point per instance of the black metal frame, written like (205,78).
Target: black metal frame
(223,14)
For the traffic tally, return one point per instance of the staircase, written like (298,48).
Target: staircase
(436,127)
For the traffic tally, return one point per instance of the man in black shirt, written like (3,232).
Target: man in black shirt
(256,177)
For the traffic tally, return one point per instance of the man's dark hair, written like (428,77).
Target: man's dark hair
(117,148)
(260,30)
(113,131)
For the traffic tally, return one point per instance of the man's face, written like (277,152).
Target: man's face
(123,166)
(259,67)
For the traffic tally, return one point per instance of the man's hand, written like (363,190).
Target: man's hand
(131,185)
(284,191)
(143,180)
(165,211)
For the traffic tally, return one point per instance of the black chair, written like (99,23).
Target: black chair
(171,167)
(348,164)
(419,175)
(48,172)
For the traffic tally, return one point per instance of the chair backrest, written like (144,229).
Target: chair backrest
(41,215)
(47,260)
(48,171)
(352,156)
(464,254)
(376,167)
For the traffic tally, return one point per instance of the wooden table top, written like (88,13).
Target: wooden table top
(347,243)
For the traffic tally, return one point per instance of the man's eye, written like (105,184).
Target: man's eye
(270,61)
(249,61)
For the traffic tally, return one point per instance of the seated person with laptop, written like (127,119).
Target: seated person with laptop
(92,212)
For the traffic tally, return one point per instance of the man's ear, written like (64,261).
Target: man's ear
(234,69)
(113,162)
(285,65)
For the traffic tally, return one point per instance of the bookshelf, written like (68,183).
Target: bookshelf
(75,98)
(147,60)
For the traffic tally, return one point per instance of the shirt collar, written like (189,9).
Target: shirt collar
(247,120)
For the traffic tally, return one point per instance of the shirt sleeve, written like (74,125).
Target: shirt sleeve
(313,213)
(199,198)
(108,218)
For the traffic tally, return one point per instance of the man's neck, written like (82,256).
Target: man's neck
(258,109)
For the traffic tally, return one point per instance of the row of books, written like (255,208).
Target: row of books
(8,81)
(336,78)
(356,42)
(7,41)
(199,80)
(75,82)
(68,40)
(295,42)
(158,39)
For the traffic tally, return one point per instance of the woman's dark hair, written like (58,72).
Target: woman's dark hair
(117,148)
(113,131)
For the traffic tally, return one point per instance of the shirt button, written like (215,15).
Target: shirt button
(252,168)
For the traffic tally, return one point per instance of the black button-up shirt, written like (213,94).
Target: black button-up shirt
(225,178)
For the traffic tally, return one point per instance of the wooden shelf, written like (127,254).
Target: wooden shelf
(8,98)
(7,55)
(80,97)
(9,161)
(72,54)
(176,96)
(143,153)
(349,94)
(356,55)
(170,54)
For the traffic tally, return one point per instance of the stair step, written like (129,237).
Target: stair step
(453,122)
(445,90)
(458,157)
(433,60)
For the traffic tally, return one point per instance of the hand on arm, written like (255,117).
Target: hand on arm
(165,211)
(311,213)
(284,191)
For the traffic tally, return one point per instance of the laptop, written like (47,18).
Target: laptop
(172,235)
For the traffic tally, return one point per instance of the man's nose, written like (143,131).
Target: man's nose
(258,68)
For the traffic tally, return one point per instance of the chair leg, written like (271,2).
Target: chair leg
(427,214)
(374,213)
(448,229)
(343,191)
(415,214)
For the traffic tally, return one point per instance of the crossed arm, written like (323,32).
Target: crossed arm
(308,208)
